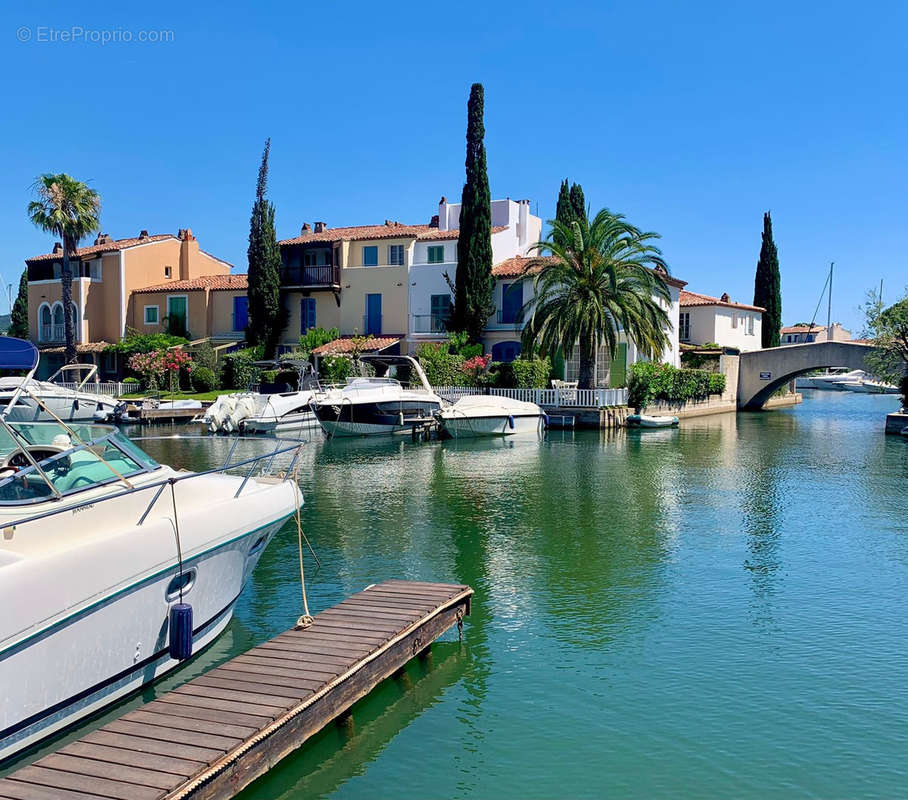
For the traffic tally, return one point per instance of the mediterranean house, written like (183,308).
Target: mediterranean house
(704,319)
(106,275)
(801,334)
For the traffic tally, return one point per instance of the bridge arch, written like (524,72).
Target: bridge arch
(762,372)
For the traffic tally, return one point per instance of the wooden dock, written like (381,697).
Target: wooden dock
(214,735)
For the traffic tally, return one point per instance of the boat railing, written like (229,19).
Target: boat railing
(282,446)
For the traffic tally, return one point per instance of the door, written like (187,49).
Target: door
(307,314)
(373,315)
(240,312)
(176,316)
(511,303)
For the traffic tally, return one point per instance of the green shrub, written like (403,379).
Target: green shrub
(650,382)
(315,337)
(522,373)
(268,376)
(442,367)
(335,369)
(203,379)
(135,342)
(132,379)
(240,369)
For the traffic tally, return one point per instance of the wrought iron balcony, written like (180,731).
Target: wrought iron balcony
(431,323)
(312,277)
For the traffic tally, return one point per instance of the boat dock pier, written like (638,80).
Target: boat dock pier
(213,736)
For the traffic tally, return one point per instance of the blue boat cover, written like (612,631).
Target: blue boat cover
(17,353)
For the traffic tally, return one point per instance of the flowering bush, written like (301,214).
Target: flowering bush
(154,366)
(474,367)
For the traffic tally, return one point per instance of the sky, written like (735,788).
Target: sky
(692,119)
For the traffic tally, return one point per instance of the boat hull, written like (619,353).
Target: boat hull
(286,424)
(492,425)
(374,418)
(66,408)
(106,647)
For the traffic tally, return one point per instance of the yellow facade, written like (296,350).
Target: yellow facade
(327,314)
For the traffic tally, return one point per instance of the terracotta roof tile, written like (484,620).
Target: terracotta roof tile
(213,282)
(106,247)
(345,345)
(393,230)
(516,266)
(697,299)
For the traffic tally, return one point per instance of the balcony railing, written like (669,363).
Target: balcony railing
(508,316)
(431,323)
(315,276)
(53,333)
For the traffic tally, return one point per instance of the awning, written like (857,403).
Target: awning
(17,354)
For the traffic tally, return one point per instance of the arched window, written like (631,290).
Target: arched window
(45,325)
(505,351)
(76,326)
(57,333)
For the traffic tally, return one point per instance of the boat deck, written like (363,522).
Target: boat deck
(214,735)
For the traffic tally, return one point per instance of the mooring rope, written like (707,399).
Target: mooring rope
(306,619)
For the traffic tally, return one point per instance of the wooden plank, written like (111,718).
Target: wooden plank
(176,735)
(312,654)
(306,671)
(270,680)
(16,790)
(389,617)
(284,670)
(121,773)
(346,642)
(219,704)
(370,603)
(226,718)
(229,683)
(191,723)
(380,635)
(368,622)
(141,744)
(85,783)
(300,661)
(266,701)
(133,758)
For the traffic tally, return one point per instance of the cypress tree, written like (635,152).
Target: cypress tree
(265,312)
(474,283)
(768,286)
(18,317)
(578,205)
(571,207)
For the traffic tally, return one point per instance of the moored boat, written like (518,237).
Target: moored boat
(99,544)
(650,421)
(490,415)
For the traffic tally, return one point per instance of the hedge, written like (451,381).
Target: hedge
(523,373)
(441,367)
(240,369)
(649,382)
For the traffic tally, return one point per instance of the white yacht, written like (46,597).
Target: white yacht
(30,400)
(367,406)
(114,568)
(275,408)
(490,415)
(832,381)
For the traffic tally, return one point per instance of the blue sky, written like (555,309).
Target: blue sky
(691,118)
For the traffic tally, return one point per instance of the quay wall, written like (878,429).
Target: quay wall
(896,422)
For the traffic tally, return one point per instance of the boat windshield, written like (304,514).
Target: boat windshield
(68,465)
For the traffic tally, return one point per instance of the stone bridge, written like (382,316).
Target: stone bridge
(761,372)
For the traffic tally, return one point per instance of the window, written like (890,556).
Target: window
(441,312)
(684,326)
(151,315)
(396,254)
(436,254)
(734,320)
(511,311)
(176,315)
(750,324)
(94,270)
(307,314)
(58,271)
(168,271)
(370,256)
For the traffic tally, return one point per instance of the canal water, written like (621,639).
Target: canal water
(717,610)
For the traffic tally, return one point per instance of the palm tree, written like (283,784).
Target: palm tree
(593,285)
(69,209)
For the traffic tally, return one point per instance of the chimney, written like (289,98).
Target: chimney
(305,229)
(443,213)
(103,238)
(725,298)
(58,248)
(319,227)
(433,223)
(143,234)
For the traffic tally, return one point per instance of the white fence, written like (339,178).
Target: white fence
(106,388)
(586,398)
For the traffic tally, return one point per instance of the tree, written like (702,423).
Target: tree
(18,318)
(601,283)
(888,327)
(474,283)
(571,206)
(266,317)
(768,286)
(71,210)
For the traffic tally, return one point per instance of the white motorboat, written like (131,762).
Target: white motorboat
(870,386)
(113,568)
(34,400)
(650,421)
(490,415)
(270,410)
(833,381)
(367,406)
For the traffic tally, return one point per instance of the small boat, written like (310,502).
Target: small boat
(368,406)
(30,400)
(490,415)
(278,407)
(905,431)
(833,381)
(650,421)
(870,386)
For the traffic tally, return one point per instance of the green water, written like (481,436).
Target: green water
(714,611)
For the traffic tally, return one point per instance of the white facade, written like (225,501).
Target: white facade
(723,323)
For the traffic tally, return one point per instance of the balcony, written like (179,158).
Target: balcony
(52,333)
(431,323)
(311,277)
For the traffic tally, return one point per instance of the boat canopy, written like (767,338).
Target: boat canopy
(17,354)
